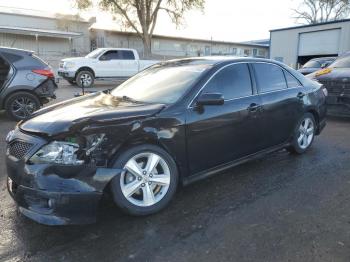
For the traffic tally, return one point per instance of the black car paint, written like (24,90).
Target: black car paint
(337,83)
(200,139)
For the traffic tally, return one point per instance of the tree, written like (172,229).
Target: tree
(318,11)
(141,15)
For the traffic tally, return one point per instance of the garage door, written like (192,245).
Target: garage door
(319,43)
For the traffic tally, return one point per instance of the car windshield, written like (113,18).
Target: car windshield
(312,64)
(341,62)
(94,54)
(161,83)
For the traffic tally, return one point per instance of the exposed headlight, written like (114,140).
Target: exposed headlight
(69,64)
(58,153)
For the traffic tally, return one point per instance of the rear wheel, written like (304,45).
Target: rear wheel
(148,181)
(304,134)
(20,105)
(85,78)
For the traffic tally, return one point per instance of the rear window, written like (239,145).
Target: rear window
(39,60)
(269,77)
(127,55)
(291,80)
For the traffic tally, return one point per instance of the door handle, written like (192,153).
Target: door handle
(253,107)
(300,95)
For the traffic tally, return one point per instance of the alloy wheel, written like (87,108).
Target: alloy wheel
(86,79)
(145,179)
(306,133)
(23,107)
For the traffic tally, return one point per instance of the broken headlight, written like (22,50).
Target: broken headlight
(58,153)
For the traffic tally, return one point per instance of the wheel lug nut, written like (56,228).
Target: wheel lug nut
(139,178)
(144,172)
(150,175)
(143,184)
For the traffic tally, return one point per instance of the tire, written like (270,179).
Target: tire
(20,105)
(165,171)
(87,77)
(304,134)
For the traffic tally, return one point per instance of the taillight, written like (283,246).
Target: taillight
(44,72)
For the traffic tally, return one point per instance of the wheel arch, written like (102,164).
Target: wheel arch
(84,68)
(144,140)
(4,99)
(315,115)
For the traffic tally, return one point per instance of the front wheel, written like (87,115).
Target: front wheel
(148,181)
(304,134)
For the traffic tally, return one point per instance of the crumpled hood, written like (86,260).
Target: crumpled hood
(99,108)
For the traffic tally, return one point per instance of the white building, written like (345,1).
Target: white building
(296,45)
(50,36)
(169,46)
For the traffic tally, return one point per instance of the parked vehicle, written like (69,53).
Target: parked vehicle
(175,122)
(336,79)
(102,63)
(316,64)
(26,82)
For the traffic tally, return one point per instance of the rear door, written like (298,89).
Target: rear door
(282,102)
(222,133)
(129,63)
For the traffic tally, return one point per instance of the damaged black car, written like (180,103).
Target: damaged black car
(170,125)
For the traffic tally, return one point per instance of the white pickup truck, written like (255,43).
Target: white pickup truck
(102,63)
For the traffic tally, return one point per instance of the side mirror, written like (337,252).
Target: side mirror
(210,99)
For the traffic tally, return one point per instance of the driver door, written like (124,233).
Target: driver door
(110,64)
(218,134)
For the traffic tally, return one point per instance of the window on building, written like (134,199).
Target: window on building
(156,45)
(233,82)
(246,52)
(269,77)
(261,53)
(234,51)
(255,52)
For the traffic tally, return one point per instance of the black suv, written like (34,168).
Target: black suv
(26,82)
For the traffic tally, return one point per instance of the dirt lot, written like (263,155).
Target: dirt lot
(280,208)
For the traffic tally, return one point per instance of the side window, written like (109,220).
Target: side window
(233,82)
(110,55)
(127,55)
(269,77)
(291,80)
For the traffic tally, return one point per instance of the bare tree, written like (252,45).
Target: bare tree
(141,15)
(318,11)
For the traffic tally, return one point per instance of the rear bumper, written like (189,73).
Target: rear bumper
(46,90)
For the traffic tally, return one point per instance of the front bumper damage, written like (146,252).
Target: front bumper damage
(55,194)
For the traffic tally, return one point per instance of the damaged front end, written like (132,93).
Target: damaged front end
(58,181)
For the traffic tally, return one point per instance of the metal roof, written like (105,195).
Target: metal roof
(39,32)
(311,25)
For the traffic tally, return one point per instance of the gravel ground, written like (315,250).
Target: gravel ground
(279,208)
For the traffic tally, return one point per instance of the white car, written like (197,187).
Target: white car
(102,63)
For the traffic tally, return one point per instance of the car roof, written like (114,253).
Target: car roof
(15,50)
(216,60)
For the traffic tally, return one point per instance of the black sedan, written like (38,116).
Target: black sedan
(336,79)
(316,64)
(172,124)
